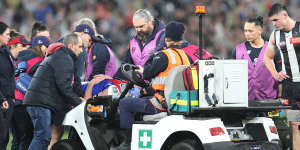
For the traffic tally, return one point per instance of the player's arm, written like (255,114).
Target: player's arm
(269,57)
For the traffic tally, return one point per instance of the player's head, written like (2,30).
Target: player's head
(174,33)
(279,17)
(253,28)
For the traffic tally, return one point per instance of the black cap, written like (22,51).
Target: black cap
(174,31)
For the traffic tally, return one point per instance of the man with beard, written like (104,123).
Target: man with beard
(150,34)
(156,69)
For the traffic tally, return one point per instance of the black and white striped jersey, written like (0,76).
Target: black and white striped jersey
(289,45)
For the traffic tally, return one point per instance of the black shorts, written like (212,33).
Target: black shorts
(291,91)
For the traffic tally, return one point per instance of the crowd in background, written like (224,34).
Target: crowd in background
(223,25)
(113,18)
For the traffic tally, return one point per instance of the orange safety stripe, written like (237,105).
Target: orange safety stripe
(159,97)
(154,102)
(173,60)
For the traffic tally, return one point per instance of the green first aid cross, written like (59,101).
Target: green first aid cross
(145,138)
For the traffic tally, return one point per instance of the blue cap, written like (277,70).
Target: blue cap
(88,30)
(40,40)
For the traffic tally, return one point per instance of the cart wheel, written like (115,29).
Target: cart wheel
(67,144)
(188,144)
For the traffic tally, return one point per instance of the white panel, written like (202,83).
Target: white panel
(205,67)
(235,83)
(230,82)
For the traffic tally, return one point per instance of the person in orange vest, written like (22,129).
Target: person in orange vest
(156,69)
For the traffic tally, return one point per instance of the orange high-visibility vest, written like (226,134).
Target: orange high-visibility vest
(176,57)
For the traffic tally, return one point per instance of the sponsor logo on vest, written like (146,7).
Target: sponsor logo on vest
(151,50)
(295,40)
(255,61)
(209,63)
(133,49)
(248,51)
(145,139)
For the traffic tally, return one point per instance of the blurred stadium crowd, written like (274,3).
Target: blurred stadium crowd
(113,18)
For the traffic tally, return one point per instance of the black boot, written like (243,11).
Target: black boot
(125,144)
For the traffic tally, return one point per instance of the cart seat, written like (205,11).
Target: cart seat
(174,81)
(155,117)
(174,75)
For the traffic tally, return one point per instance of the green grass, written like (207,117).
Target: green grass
(9,143)
(66,133)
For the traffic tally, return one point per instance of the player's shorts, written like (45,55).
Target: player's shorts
(291,91)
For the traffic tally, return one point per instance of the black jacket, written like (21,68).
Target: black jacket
(7,77)
(79,70)
(51,86)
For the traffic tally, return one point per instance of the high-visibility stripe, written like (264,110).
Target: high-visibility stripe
(156,104)
(158,80)
(173,60)
(195,77)
(184,102)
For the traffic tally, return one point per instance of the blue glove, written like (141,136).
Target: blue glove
(22,66)
(134,92)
